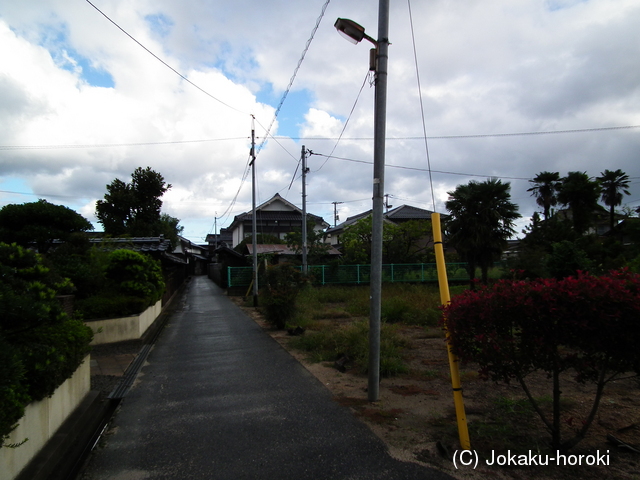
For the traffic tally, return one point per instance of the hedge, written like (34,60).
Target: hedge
(40,345)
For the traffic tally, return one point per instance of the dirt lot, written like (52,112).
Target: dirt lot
(416,419)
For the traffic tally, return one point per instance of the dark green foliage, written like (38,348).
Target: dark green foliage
(41,346)
(13,391)
(352,340)
(39,223)
(407,242)
(395,310)
(83,264)
(316,247)
(135,274)
(134,208)
(567,259)
(102,306)
(579,193)
(482,220)
(613,185)
(282,284)
(545,188)
(51,353)
(130,282)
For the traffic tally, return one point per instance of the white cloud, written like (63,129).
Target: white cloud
(485,68)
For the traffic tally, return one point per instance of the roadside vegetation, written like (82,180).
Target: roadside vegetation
(46,254)
(335,322)
(40,345)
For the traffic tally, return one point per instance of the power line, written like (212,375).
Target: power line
(109,145)
(402,167)
(479,135)
(295,72)
(163,62)
(277,137)
(344,127)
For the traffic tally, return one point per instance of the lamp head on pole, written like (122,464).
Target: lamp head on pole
(352,31)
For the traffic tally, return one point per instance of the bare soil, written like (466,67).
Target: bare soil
(416,419)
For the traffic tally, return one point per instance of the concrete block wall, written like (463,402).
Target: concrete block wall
(41,421)
(115,330)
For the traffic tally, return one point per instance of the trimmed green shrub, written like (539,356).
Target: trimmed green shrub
(41,346)
(13,391)
(135,274)
(101,306)
(131,282)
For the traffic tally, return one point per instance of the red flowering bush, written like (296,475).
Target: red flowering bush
(585,324)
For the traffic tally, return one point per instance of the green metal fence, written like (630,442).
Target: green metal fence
(360,274)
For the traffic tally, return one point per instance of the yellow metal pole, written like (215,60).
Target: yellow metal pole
(445,298)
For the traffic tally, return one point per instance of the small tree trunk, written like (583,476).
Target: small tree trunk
(471,270)
(556,438)
(594,408)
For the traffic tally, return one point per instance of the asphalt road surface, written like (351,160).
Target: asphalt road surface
(220,399)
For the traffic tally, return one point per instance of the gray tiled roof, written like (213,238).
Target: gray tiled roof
(407,212)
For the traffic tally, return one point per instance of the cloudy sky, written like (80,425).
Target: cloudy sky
(508,90)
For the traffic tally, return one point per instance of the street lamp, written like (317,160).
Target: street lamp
(355,33)
(352,31)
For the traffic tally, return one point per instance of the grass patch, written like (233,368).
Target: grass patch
(411,304)
(333,315)
(329,342)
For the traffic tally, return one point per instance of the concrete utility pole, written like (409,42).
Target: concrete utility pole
(380,131)
(356,33)
(335,212)
(254,228)
(305,170)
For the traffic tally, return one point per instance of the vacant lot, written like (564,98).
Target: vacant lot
(415,415)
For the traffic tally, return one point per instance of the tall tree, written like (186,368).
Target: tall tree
(545,189)
(613,185)
(134,208)
(407,242)
(39,223)
(482,220)
(316,247)
(580,194)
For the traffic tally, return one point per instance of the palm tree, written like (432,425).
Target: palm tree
(580,194)
(481,221)
(545,189)
(613,185)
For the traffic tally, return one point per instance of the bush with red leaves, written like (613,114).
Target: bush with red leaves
(585,324)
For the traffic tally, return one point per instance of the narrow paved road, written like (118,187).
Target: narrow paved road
(220,399)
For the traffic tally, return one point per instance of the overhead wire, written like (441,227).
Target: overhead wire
(344,127)
(324,7)
(108,145)
(295,73)
(227,212)
(424,126)
(403,167)
(351,139)
(163,62)
(368,75)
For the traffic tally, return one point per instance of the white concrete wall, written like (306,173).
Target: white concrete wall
(126,328)
(41,421)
